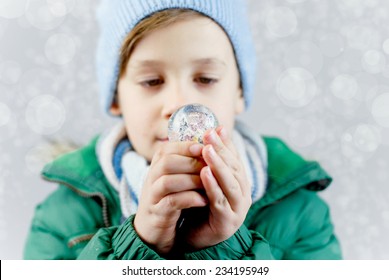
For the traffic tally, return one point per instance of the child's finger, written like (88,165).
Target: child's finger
(179,201)
(236,165)
(231,159)
(175,164)
(212,137)
(228,154)
(217,200)
(226,139)
(222,173)
(189,149)
(175,183)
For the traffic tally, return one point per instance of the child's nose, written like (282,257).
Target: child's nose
(174,100)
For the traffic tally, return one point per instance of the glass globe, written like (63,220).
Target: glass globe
(190,122)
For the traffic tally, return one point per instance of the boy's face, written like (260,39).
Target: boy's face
(187,62)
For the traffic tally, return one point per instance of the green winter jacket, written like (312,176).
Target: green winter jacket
(81,219)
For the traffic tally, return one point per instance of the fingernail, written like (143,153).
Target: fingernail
(212,135)
(212,151)
(209,172)
(195,149)
(223,132)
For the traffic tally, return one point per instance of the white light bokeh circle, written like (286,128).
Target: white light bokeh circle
(359,143)
(8,124)
(302,133)
(60,49)
(304,54)
(5,114)
(385,46)
(363,37)
(82,11)
(296,87)
(347,108)
(34,81)
(10,72)
(367,138)
(45,114)
(380,109)
(371,3)
(9,130)
(344,87)
(331,45)
(33,159)
(61,7)
(40,14)
(4,23)
(12,9)
(281,21)
(385,71)
(372,93)
(349,61)
(351,8)
(373,61)
(366,81)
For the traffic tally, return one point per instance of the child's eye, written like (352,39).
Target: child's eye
(152,83)
(205,80)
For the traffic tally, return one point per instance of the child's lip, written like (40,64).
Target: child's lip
(165,139)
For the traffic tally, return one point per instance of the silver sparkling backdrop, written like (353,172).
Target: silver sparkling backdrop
(323,86)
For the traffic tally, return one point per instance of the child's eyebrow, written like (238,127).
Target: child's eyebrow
(145,63)
(209,61)
(197,62)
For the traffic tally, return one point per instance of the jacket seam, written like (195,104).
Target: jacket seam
(46,230)
(277,247)
(287,187)
(69,176)
(310,166)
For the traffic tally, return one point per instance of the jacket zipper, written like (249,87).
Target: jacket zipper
(87,195)
(86,237)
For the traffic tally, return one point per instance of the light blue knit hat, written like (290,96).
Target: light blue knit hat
(118,17)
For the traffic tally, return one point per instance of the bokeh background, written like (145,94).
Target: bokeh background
(322,86)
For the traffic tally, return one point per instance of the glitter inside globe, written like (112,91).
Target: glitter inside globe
(190,122)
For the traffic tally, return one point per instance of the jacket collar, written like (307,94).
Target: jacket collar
(288,172)
(80,169)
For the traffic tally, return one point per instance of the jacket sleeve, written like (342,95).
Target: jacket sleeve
(315,240)
(243,245)
(298,227)
(123,243)
(62,225)
(43,244)
(118,243)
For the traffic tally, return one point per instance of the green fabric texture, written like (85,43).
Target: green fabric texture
(81,219)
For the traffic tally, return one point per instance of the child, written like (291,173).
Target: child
(121,197)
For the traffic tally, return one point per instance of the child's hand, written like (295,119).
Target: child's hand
(227,188)
(170,186)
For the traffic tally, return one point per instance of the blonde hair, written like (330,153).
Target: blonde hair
(151,23)
(155,21)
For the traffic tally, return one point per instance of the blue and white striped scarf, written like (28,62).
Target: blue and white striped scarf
(126,170)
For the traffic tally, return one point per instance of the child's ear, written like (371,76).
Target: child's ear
(239,105)
(115,108)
